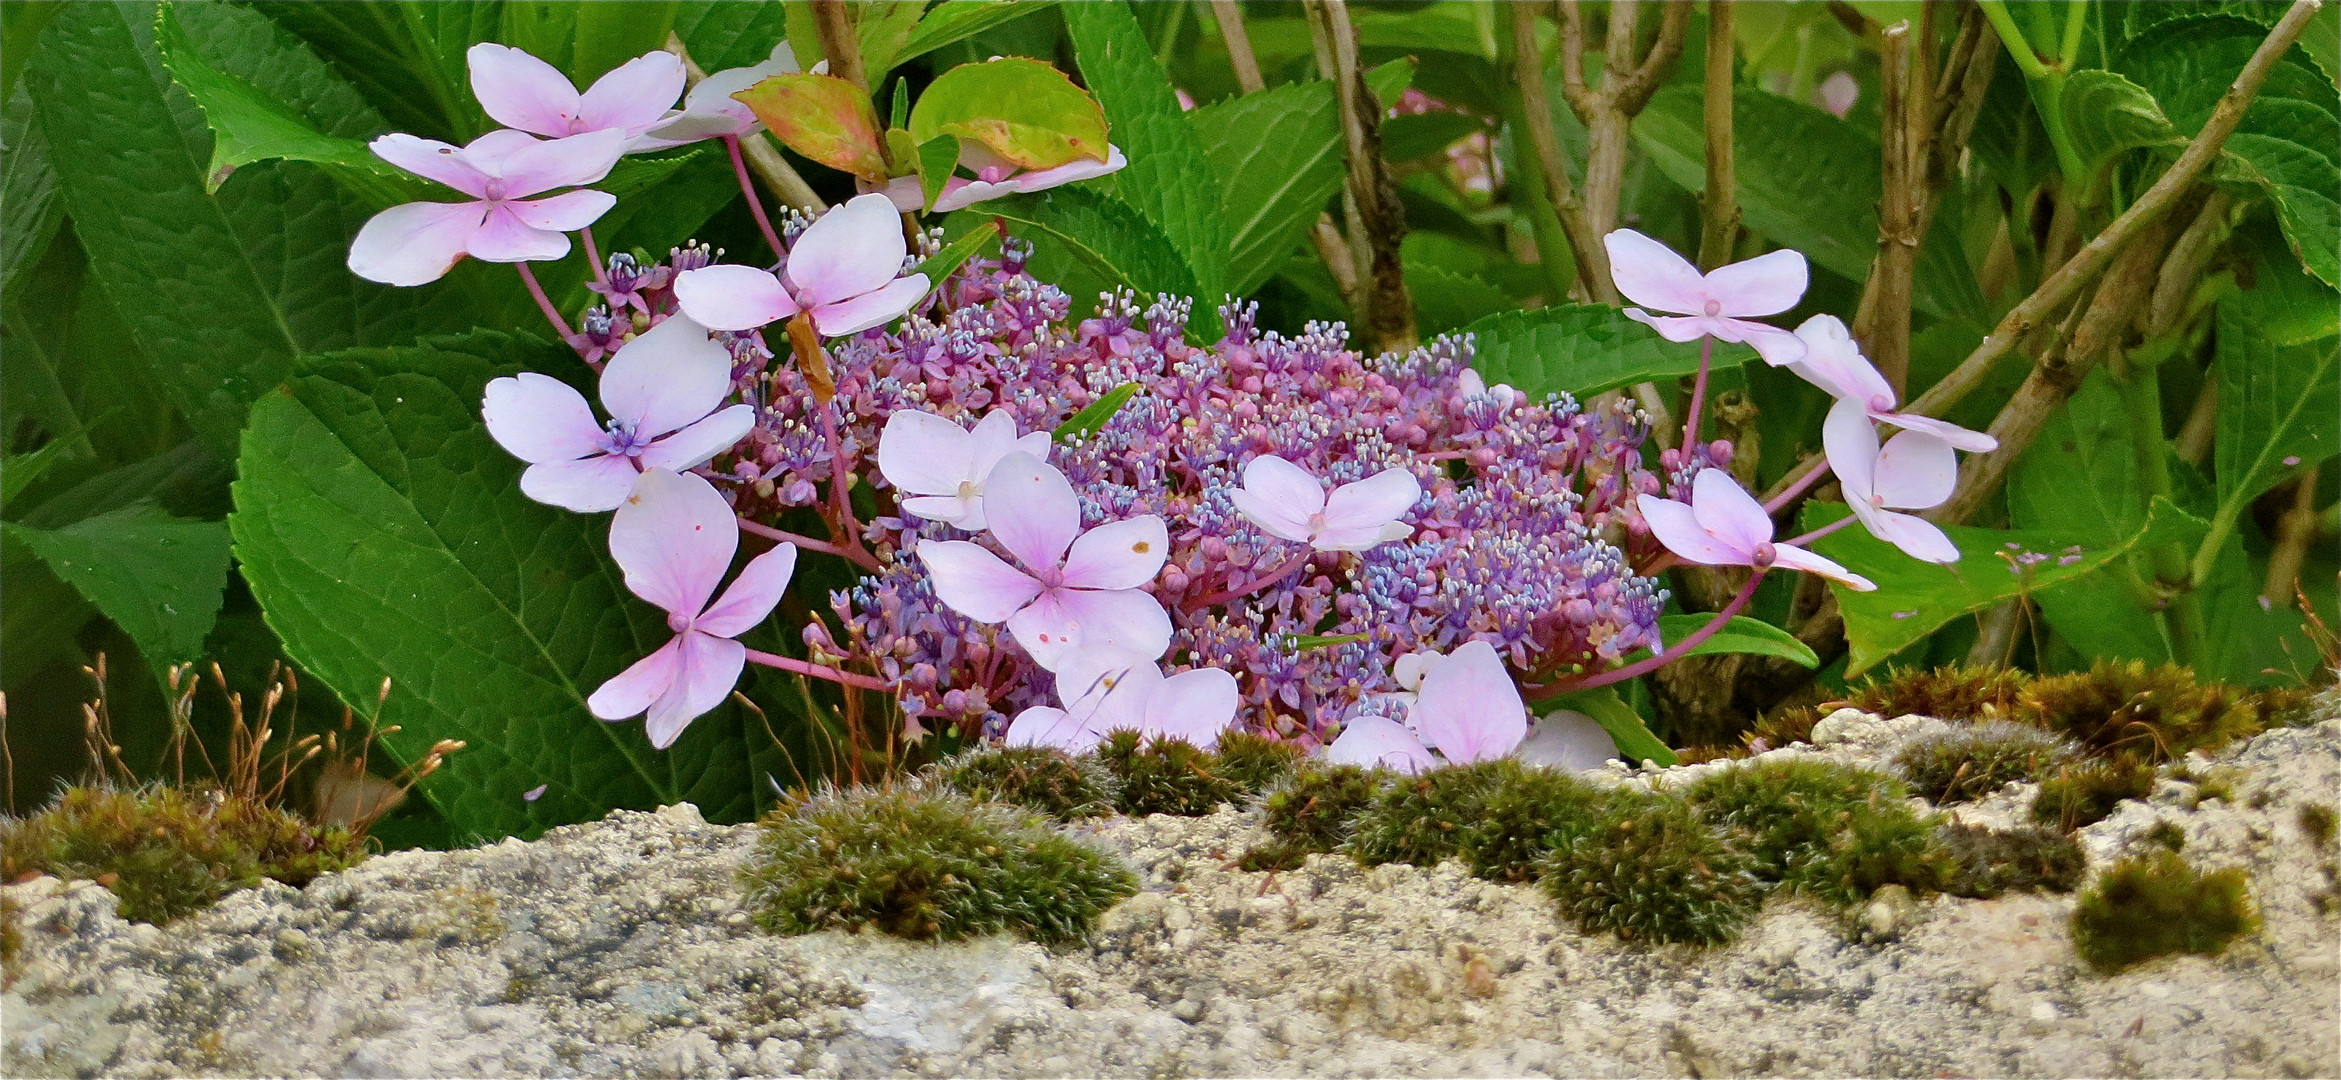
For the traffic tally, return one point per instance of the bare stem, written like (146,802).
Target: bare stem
(841,44)
(1230,17)
(544,303)
(1255,585)
(1388,318)
(1719,203)
(1536,106)
(2068,280)
(593,256)
(860,558)
(764,159)
(1882,323)
(802,667)
(1698,396)
(2294,533)
(731,145)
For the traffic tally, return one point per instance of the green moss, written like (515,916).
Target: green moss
(1968,763)
(926,865)
(1422,819)
(2167,836)
(1312,812)
(1833,832)
(2154,905)
(2157,713)
(1038,778)
(1957,692)
(11,938)
(1527,812)
(1987,862)
(1649,869)
(1165,776)
(166,852)
(1256,763)
(2317,821)
(2086,792)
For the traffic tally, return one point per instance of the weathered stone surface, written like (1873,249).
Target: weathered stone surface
(618,949)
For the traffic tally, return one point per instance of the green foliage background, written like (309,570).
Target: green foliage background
(221,445)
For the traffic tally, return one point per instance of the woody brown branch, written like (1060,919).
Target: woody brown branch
(1387,314)
(2059,288)
(2098,331)
(1608,111)
(1719,200)
(1536,103)
(1325,236)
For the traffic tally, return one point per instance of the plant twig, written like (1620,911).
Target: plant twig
(1388,315)
(1608,112)
(1239,45)
(1719,202)
(764,160)
(2097,328)
(2068,280)
(1536,105)
(2194,436)
(1882,323)
(841,44)
(2174,287)
(1324,236)
(2294,532)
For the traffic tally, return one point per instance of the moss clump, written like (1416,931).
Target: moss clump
(2155,904)
(1256,763)
(1164,776)
(2086,792)
(1968,763)
(1038,778)
(1313,812)
(1422,819)
(11,938)
(2317,822)
(2157,713)
(1956,692)
(1830,831)
(1987,862)
(1648,868)
(1527,812)
(167,851)
(925,865)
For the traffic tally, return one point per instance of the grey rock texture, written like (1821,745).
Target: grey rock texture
(617,948)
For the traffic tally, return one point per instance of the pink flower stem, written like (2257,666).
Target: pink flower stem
(1649,664)
(859,558)
(840,480)
(544,304)
(1255,585)
(1801,541)
(1813,475)
(593,257)
(731,143)
(1698,395)
(801,667)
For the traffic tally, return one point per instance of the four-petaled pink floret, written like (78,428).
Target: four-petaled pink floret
(1468,709)
(419,242)
(664,391)
(674,538)
(941,466)
(1725,526)
(1103,693)
(842,271)
(1076,591)
(1286,502)
(520,91)
(1718,304)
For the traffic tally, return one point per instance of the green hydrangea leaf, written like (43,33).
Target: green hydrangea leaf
(385,537)
(1582,349)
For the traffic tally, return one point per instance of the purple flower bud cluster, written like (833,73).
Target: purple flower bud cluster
(1517,535)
